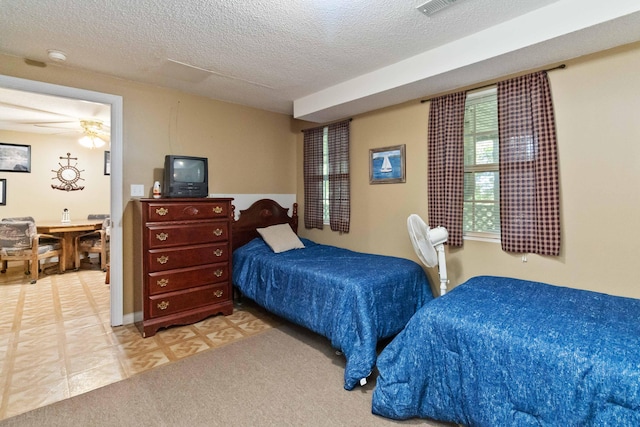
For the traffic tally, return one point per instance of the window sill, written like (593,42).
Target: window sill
(482,239)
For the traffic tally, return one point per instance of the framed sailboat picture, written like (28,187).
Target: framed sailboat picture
(387,165)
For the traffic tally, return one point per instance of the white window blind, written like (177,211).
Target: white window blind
(481,216)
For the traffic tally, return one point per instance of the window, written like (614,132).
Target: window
(326,177)
(481,217)
(497,182)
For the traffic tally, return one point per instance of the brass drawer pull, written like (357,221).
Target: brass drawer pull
(162,236)
(218,293)
(162,282)
(217,209)
(162,211)
(163,259)
(217,232)
(218,252)
(191,210)
(218,272)
(163,305)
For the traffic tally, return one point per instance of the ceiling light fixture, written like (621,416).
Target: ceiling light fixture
(91,138)
(57,55)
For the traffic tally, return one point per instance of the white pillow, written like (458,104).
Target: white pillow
(280,238)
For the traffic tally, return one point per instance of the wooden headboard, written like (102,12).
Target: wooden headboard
(260,214)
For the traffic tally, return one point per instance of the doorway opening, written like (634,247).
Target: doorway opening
(116,160)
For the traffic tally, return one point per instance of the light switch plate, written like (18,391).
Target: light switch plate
(137,190)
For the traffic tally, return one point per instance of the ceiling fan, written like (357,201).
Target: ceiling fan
(54,116)
(94,132)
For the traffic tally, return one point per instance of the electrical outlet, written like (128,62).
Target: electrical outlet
(137,190)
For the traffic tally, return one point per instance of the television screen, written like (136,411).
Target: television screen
(188,170)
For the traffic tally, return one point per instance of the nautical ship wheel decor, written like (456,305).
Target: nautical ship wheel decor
(68,175)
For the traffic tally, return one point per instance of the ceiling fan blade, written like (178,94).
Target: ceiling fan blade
(37,110)
(76,128)
(75,122)
(67,132)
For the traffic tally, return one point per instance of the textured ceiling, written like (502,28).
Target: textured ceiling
(318,60)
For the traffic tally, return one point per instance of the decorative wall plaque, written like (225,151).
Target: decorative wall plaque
(68,175)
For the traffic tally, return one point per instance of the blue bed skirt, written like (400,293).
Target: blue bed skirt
(353,299)
(504,352)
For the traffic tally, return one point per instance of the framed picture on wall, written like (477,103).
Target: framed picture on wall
(15,158)
(3,192)
(387,165)
(107,162)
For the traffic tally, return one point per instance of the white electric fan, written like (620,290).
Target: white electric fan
(429,246)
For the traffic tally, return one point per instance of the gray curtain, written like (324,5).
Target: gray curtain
(338,176)
(339,179)
(446,164)
(313,178)
(529,187)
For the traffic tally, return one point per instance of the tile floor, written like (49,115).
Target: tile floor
(56,341)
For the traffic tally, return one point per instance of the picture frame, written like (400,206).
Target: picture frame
(107,162)
(15,158)
(387,165)
(3,192)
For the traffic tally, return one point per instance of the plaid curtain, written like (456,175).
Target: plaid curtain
(529,187)
(339,196)
(313,178)
(446,164)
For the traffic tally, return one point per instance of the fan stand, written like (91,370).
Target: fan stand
(442,269)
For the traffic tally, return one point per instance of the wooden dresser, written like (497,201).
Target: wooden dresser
(184,264)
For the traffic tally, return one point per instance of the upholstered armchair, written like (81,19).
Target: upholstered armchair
(94,242)
(20,241)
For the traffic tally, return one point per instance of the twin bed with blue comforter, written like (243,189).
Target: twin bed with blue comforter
(505,352)
(353,299)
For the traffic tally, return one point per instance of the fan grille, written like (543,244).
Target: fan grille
(419,234)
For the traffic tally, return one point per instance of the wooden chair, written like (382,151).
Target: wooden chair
(20,241)
(94,242)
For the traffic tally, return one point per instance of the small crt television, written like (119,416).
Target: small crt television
(185,176)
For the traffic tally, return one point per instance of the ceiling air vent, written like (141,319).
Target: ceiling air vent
(433,6)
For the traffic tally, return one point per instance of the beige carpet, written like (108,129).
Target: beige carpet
(285,377)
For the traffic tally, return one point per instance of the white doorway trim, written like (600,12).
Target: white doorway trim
(116,172)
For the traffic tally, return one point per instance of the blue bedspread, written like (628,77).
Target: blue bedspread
(505,352)
(352,298)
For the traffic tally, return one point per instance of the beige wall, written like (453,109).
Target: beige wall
(597,104)
(30,194)
(249,150)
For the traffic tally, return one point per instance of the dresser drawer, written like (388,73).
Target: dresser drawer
(161,236)
(186,256)
(184,278)
(168,211)
(174,302)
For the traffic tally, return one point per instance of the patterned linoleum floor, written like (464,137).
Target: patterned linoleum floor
(56,340)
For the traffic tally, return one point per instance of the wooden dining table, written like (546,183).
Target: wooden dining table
(68,231)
